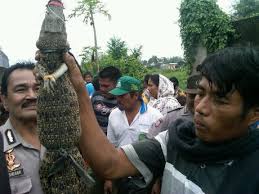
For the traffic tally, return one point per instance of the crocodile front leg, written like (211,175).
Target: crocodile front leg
(49,80)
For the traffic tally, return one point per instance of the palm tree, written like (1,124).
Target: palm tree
(88,9)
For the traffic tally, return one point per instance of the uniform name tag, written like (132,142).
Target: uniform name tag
(16,173)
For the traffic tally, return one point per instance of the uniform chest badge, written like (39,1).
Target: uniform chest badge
(10,136)
(10,159)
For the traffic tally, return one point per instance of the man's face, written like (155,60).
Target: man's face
(106,85)
(21,95)
(127,102)
(218,118)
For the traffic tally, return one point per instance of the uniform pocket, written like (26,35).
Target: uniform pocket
(20,185)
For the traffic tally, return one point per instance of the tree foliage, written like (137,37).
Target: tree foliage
(128,65)
(163,60)
(119,55)
(87,62)
(246,8)
(117,48)
(136,52)
(154,59)
(88,9)
(202,22)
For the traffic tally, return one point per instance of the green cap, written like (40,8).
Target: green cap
(126,84)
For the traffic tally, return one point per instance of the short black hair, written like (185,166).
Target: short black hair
(20,65)
(96,83)
(174,80)
(155,79)
(146,78)
(110,72)
(88,73)
(234,68)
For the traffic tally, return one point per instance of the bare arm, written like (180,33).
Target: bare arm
(103,157)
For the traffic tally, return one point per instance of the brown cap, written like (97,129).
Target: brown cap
(192,83)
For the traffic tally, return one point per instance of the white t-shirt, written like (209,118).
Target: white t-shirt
(120,133)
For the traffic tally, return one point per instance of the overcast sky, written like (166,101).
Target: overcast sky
(150,23)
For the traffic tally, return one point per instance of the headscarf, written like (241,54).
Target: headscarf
(165,101)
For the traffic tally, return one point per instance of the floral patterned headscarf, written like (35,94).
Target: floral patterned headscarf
(165,101)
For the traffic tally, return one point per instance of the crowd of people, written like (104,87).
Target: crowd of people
(145,136)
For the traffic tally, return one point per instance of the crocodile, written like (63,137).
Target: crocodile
(62,169)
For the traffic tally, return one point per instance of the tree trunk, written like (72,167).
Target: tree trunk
(96,68)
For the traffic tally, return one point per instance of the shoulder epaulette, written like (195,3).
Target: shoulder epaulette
(175,109)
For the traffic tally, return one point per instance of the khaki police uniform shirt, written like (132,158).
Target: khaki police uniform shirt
(23,162)
(164,123)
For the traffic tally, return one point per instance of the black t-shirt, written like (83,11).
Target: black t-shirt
(161,156)
(4,177)
(102,107)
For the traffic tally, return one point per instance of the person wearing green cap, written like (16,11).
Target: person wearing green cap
(129,123)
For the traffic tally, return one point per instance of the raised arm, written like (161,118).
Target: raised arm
(103,157)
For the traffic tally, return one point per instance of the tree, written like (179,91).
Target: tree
(144,62)
(88,9)
(117,48)
(246,8)
(202,22)
(128,65)
(137,52)
(87,59)
(117,55)
(154,59)
(176,59)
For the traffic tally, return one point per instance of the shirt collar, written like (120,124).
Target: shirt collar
(10,136)
(143,107)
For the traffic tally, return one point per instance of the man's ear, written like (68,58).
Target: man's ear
(4,101)
(254,115)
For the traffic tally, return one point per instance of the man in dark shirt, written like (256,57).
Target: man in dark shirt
(204,157)
(103,102)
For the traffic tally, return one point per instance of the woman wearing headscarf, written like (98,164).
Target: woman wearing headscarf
(161,90)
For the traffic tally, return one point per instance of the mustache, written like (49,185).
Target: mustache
(29,103)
